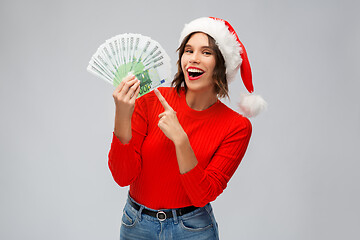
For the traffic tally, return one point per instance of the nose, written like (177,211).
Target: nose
(194,58)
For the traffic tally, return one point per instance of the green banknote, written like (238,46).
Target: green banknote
(132,53)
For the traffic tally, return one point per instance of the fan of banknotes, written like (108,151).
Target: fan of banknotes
(132,53)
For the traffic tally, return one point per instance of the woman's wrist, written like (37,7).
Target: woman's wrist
(122,129)
(181,139)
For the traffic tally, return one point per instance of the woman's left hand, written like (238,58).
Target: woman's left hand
(169,122)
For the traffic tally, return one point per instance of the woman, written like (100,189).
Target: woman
(178,147)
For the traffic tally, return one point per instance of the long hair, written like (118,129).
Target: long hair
(219,73)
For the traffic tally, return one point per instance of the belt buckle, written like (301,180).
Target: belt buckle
(161,216)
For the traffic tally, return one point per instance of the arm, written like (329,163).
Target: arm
(129,132)
(124,98)
(204,185)
(172,129)
(184,154)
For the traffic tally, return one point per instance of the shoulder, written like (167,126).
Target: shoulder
(235,121)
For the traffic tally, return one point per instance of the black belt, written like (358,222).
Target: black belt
(161,215)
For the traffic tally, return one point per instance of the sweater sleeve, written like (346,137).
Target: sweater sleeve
(204,185)
(125,159)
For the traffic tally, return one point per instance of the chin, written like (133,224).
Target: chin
(198,87)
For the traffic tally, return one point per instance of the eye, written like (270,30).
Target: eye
(188,51)
(207,53)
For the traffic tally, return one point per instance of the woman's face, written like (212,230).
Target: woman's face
(198,63)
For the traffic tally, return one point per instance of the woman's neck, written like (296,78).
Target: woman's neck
(200,101)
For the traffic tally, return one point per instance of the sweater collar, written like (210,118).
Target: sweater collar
(212,110)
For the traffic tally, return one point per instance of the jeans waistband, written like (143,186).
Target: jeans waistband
(161,215)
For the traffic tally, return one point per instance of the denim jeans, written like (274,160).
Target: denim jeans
(199,224)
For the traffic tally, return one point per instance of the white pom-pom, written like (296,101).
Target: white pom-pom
(251,104)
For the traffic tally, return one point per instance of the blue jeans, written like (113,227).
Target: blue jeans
(199,224)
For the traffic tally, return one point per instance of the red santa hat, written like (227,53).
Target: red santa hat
(235,57)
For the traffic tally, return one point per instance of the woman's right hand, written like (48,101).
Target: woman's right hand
(125,95)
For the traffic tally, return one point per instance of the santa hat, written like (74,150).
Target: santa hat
(235,57)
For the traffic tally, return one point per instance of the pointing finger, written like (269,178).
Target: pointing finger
(163,101)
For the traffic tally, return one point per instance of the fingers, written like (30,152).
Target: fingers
(163,101)
(127,85)
(127,91)
(133,98)
(122,83)
(133,92)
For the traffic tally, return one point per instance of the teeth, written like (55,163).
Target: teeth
(195,70)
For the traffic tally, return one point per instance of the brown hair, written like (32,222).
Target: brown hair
(219,73)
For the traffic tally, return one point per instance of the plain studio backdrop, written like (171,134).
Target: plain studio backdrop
(299,178)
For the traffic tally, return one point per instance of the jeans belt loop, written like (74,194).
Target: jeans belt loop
(175,216)
(139,213)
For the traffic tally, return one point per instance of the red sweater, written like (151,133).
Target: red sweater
(218,136)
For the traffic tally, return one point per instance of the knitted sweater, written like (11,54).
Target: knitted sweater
(218,136)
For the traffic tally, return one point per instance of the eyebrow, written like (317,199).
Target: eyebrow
(202,47)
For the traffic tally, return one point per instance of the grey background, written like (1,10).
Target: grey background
(299,178)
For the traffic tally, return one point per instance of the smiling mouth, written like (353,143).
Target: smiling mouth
(194,73)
